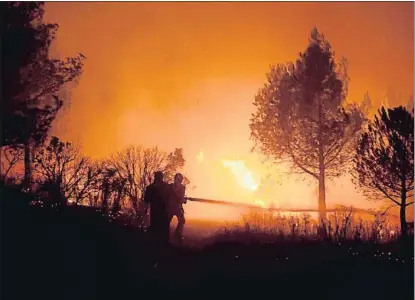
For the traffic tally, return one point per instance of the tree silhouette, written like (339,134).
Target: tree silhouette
(134,168)
(384,162)
(88,180)
(301,116)
(30,78)
(63,171)
(175,162)
(106,187)
(10,156)
(112,188)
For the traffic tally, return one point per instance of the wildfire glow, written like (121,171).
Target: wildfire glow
(200,157)
(243,175)
(260,203)
(201,83)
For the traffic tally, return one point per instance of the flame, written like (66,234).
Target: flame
(200,156)
(243,175)
(260,203)
(385,103)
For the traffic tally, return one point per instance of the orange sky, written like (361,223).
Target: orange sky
(185,74)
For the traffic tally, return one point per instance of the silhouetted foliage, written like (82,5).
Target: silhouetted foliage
(134,168)
(113,188)
(61,167)
(10,157)
(301,116)
(30,78)
(111,260)
(343,225)
(384,162)
(88,181)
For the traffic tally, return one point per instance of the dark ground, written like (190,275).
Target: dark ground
(77,254)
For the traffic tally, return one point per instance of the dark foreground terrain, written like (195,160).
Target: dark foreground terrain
(76,253)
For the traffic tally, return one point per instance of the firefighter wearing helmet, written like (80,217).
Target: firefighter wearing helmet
(177,200)
(157,196)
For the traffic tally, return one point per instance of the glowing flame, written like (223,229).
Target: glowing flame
(385,103)
(200,157)
(260,203)
(243,175)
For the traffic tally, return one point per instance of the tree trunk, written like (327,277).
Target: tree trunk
(322,175)
(404,227)
(27,181)
(60,194)
(322,190)
(105,196)
(116,206)
(322,197)
(136,204)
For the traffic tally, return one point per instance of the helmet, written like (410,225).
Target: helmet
(158,176)
(178,177)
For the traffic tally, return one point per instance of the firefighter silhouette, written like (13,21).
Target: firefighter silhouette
(157,196)
(176,201)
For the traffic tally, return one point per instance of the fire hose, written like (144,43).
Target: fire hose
(273,209)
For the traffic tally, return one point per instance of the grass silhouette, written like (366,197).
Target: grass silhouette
(80,253)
